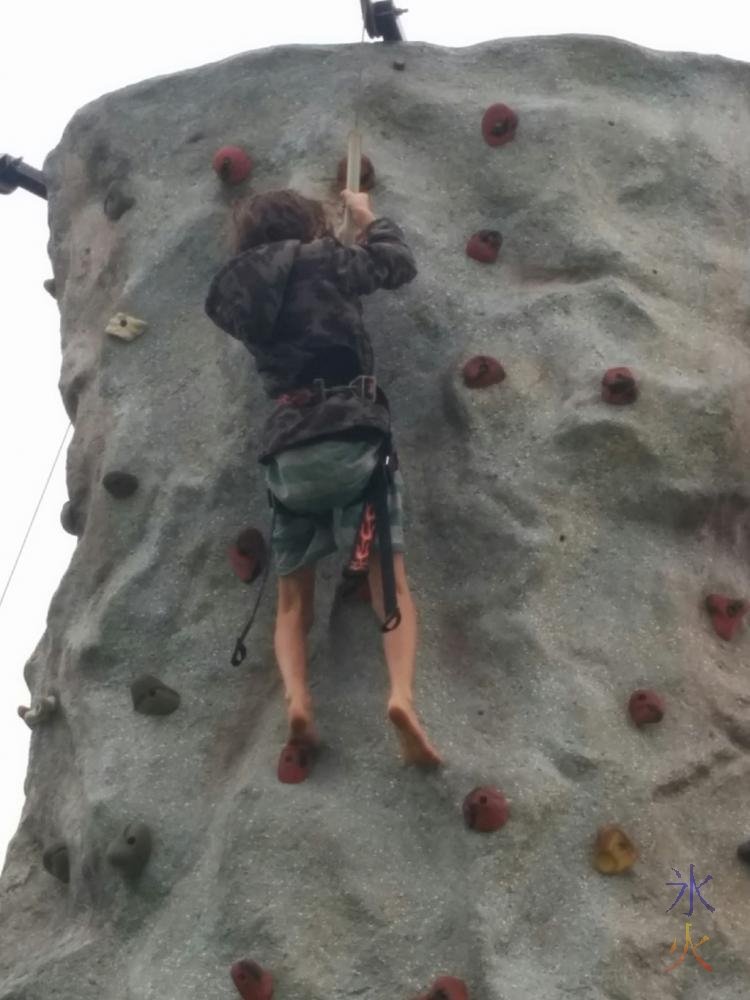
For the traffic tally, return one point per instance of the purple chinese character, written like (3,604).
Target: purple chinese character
(693,887)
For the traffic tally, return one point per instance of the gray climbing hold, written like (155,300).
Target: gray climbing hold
(41,710)
(117,202)
(151,697)
(120,484)
(743,852)
(51,287)
(71,519)
(56,860)
(130,851)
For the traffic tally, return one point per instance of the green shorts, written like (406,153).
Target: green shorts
(300,540)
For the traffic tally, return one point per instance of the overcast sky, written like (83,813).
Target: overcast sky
(56,56)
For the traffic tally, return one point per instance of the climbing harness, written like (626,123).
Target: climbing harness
(375,517)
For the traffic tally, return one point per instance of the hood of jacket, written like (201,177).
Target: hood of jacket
(247,294)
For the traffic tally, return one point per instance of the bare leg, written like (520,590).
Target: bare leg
(294,618)
(400,647)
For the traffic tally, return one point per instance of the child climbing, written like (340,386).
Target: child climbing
(292,296)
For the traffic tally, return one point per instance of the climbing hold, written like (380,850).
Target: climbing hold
(117,201)
(499,124)
(482,371)
(726,614)
(125,327)
(743,852)
(485,810)
(151,697)
(646,706)
(51,287)
(484,246)
(252,980)
(120,484)
(41,710)
(131,849)
(248,555)
(56,860)
(619,387)
(232,164)
(71,519)
(448,988)
(614,851)
(399,65)
(366,174)
(295,763)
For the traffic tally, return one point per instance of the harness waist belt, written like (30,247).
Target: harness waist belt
(363,386)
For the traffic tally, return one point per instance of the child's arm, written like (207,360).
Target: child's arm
(381,260)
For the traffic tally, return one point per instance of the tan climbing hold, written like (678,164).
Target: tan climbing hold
(40,711)
(125,327)
(614,851)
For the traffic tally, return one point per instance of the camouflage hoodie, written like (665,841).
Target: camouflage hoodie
(296,308)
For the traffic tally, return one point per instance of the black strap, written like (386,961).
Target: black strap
(240,650)
(379,497)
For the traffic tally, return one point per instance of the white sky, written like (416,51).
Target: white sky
(54,57)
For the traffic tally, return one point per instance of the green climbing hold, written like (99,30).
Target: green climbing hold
(151,697)
(117,201)
(120,485)
(130,851)
(56,860)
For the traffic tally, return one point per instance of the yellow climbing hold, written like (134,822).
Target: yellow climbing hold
(614,851)
(125,327)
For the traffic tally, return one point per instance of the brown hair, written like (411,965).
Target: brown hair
(276,216)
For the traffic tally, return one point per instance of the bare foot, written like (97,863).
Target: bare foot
(415,746)
(301,727)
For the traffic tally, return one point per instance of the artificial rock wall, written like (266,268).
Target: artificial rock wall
(560,549)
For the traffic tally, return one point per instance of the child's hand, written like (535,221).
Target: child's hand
(359,208)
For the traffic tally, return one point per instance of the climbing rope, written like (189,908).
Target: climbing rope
(33,516)
(354,150)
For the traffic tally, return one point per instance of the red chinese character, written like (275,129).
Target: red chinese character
(689,941)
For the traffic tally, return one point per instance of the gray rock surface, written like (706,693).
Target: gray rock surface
(560,549)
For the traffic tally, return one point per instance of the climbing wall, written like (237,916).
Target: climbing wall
(569,377)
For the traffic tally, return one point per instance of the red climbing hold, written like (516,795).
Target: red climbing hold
(482,371)
(366,174)
(252,980)
(248,555)
(485,810)
(499,124)
(448,988)
(232,164)
(295,763)
(646,706)
(726,614)
(484,246)
(619,387)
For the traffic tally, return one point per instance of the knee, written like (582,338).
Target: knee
(295,602)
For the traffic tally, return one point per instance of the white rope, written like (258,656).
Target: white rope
(33,516)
